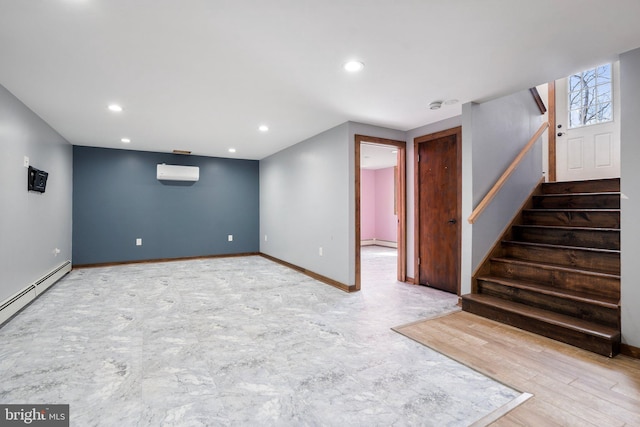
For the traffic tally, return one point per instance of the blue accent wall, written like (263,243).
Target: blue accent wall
(117,198)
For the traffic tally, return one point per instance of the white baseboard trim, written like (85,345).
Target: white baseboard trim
(19,300)
(378,242)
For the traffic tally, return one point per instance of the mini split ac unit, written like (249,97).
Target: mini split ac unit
(178,173)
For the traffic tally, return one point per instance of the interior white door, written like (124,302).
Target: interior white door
(589,151)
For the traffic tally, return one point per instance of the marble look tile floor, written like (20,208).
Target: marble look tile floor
(237,341)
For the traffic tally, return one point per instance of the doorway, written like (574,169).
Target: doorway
(587,128)
(363,143)
(438,205)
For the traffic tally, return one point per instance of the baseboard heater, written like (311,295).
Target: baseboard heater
(18,301)
(378,242)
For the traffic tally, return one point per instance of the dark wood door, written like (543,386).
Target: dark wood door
(439,213)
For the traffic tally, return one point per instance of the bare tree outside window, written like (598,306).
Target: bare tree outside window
(590,97)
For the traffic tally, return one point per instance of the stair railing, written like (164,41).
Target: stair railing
(507,173)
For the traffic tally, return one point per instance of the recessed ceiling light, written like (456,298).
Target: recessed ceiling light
(125,140)
(263,128)
(115,108)
(353,66)
(232,150)
(435,105)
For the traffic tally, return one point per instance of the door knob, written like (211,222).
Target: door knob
(560,133)
(452,221)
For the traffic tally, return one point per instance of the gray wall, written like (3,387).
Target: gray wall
(32,225)
(307,201)
(305,204)
(630,227)
(117,198)
(493,133)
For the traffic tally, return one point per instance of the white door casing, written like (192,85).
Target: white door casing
(591,151)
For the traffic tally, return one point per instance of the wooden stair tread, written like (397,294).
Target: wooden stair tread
(572,217)
(600,200)
(580,210)
(598,185)
(594,259)
(550,245)
(562,227)
(556,270)
(555,292)
(560,320)
(598,215)
(557,267)
(599,193)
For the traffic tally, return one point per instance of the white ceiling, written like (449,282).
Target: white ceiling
(376,156)
(202,75)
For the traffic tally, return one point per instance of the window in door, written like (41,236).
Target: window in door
(590,97)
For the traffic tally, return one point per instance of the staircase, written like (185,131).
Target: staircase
(557,271)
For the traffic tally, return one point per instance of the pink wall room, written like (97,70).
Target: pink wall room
(378,222)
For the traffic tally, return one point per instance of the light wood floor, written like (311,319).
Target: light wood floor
(570,386)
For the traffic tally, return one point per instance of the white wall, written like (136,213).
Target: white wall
(466,252)
(630,177)
(543,90)
(493,133)
(32,225)
(305,204)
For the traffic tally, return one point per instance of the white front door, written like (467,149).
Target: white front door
(587,143)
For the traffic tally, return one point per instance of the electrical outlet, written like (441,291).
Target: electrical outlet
(26,162)
(230,237)
(139,241)
(320,251)
(265,237)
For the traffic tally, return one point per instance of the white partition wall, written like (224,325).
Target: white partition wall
(630,204)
